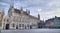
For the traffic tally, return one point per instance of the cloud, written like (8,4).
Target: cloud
(46,8)
(2,3)
(39,10)
(6,1)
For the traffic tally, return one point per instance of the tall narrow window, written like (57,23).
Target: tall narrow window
(0,24)
(22,25)
(13,25)
(19,25)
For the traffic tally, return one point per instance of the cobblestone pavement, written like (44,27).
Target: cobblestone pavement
(32,31)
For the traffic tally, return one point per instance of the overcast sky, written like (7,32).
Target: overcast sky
(46,8)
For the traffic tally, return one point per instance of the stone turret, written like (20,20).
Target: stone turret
(12,8)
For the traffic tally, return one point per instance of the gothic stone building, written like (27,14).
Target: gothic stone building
(20,19)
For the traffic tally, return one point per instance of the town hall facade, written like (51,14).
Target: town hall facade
(19,19)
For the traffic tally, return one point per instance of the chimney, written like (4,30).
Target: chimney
(39,16)
(21,9)
(28,12)
(55,16)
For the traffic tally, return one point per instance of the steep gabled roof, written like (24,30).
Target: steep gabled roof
(24,12)
(52,19)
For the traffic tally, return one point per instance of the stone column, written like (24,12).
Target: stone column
(10,25)
(15,25)
(2,25)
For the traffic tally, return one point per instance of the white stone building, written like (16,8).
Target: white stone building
(20,19)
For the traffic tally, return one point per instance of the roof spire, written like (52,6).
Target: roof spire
(38,16)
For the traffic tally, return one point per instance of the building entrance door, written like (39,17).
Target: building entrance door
(7,26)
(16,26)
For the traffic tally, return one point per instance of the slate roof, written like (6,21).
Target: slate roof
(24,12)
(52,20)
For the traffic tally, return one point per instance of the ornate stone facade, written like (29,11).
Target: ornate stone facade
(19,19)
